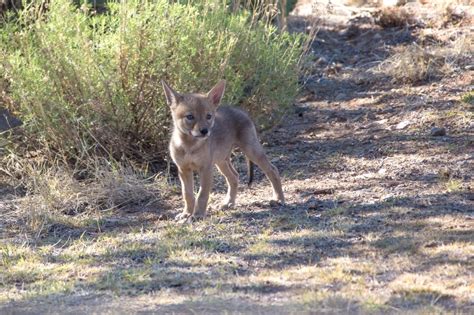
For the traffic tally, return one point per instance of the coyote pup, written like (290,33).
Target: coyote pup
(205,134)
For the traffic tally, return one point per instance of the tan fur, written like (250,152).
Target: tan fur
(192,151)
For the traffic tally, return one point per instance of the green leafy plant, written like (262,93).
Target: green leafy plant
(468,98)
(86,84)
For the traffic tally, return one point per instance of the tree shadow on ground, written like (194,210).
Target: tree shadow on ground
(406,216)
(395,227)
(148,269)
(197,305)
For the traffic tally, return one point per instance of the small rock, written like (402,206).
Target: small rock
(460,11)
(402,125)
(321,60)
(438,132)
(360,79)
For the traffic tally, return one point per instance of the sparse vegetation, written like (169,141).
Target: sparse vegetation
(454,185)
(55,197)
(394,17)
(468,98)
(414,64)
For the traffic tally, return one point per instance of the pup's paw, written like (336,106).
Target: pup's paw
(186,220)
(227,205)
(276,203)
(190,219)
(197,216)
(182,216)
(277,199)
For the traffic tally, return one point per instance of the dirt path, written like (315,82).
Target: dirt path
(380,213)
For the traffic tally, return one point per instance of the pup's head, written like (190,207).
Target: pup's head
(193,114)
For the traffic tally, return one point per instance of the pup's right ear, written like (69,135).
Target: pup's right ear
(171,95)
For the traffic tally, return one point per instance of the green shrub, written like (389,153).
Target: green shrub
(87,84)
(468,98)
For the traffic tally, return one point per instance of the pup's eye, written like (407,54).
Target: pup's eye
(209,116)
(189,117)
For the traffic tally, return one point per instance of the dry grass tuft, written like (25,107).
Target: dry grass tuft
(454,12)
(56,195)
(414,64)
(468,98)
(394,17)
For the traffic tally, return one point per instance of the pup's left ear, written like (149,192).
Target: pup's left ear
(216,93)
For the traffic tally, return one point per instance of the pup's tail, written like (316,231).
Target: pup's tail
(250,168)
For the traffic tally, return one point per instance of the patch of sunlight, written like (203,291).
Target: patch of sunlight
(200,257)
(459,250)
(14,254)
(29,279)
(416,282)
(325,301)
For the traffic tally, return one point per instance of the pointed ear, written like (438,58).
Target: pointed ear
(171,95)
(216,93)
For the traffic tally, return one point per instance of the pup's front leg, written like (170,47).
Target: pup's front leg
(205,178)
(187,188)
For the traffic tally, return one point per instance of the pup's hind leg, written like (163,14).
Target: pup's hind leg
(232,179)
(254,151)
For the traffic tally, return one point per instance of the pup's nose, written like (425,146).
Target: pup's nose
(204,131)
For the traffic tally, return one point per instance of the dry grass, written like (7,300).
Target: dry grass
(414,63)
(468,98)
(300,269)
(394,17)
(56,196)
